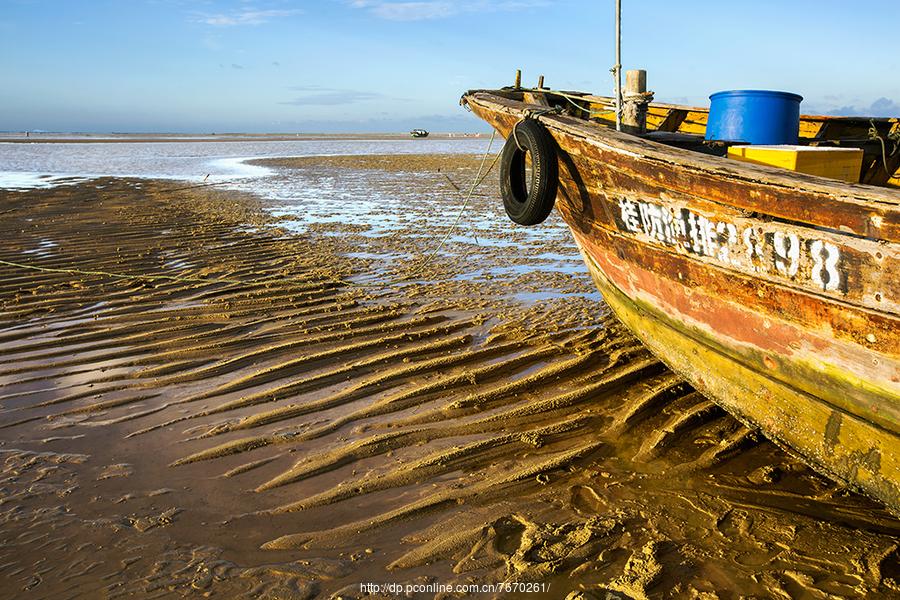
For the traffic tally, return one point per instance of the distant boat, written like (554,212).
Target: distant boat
(774,293)
(418,133)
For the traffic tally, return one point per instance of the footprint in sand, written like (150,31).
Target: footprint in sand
(585,500)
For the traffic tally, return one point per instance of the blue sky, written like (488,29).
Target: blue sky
(379,65)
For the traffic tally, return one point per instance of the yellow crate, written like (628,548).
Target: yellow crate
(837,163)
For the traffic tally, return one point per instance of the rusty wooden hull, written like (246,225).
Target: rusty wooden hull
(774,293)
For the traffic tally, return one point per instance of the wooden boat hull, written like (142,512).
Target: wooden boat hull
(786,316)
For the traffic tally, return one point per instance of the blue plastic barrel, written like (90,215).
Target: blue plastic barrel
(754,117)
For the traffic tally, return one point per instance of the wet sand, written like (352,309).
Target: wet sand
(310,407)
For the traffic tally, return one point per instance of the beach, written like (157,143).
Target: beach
(350,369)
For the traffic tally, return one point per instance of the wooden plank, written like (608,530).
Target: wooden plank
(673,120)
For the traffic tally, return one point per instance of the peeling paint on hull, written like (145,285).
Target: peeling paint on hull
(773,293)
(846,447)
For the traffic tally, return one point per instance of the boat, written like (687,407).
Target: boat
(774,293)
(418,133)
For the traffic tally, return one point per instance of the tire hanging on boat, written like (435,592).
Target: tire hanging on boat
(529,203)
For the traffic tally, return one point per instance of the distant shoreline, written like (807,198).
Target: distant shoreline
(20,137)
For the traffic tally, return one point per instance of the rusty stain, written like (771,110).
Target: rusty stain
(738,329)
(833,428)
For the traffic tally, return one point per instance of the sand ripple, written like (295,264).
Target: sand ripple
(273,429)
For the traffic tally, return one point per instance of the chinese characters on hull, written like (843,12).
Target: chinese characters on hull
(748,248)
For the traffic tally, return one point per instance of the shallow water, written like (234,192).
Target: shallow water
(376,202)
(24,165)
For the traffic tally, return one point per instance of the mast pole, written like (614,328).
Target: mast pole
(618,67)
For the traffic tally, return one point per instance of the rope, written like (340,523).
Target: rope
(576,96)
(479,178)
(569,98)
(893,136)
(515,133)
(531,114)
(591,113)
(459,191)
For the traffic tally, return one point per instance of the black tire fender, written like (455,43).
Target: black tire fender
(529,202)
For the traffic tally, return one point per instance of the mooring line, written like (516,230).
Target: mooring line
(475,183)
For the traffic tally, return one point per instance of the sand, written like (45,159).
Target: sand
(310,409)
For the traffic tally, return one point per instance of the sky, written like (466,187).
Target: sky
(384,66)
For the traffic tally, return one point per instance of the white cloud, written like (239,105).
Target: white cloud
(437,9)
(411,11)
(249,16)
(314,95)
(882,107)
